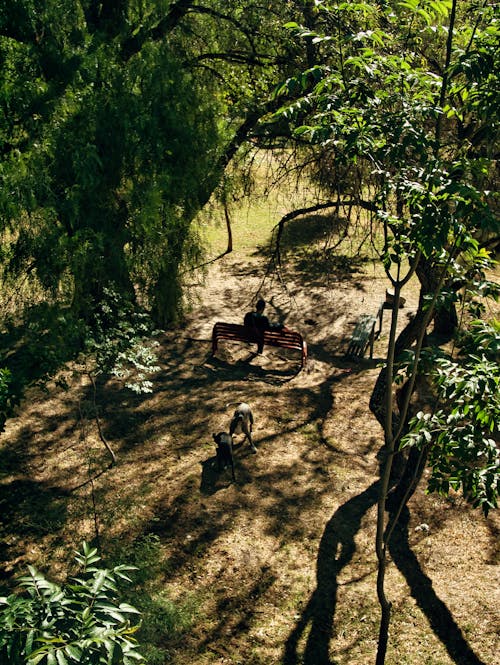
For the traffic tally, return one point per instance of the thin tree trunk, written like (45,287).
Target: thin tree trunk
(380,545)
(392,436)
(98,422)
(385,619)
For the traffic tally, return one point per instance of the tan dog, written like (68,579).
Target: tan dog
(242,422)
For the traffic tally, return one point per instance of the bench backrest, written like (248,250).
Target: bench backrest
(288,339)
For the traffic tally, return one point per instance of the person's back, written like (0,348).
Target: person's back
(257,321)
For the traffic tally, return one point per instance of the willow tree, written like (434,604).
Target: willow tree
(102,152)
(117,120)
(403,102)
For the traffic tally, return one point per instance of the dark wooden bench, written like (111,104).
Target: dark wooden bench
(286,339)
(364,334)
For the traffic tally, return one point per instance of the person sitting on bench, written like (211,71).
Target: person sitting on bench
(259,322)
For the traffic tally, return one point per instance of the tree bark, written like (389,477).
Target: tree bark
(445,318)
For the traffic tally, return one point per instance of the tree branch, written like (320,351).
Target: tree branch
(133,44)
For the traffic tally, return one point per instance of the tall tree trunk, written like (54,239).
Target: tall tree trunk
(381,405)
(445,318)
(389,440)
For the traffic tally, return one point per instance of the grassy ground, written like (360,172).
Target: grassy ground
(278,567)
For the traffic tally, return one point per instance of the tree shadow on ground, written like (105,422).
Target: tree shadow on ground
(214,479)
(336,550)
(34,508)
(439,616)
(315,244)
(34,349)
(313,227)
(244,370)
(235,615)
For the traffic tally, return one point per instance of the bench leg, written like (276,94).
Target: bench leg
(372,339)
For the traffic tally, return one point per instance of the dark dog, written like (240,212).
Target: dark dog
(224,451)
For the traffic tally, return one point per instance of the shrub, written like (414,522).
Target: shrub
(80,622)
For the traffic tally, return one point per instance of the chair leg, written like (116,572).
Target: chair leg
(372,339)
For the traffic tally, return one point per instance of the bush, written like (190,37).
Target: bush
(81,622)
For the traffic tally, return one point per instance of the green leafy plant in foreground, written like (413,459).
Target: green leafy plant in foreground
(82,621)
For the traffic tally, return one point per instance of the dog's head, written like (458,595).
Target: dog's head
(222,439)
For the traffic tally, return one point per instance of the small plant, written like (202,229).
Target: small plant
(120,344)
(81,622)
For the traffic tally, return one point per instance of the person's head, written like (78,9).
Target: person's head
(259,307)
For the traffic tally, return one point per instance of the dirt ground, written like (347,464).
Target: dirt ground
(282,561)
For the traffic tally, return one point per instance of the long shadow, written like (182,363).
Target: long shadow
(439,616)
(28,509)
(33,350)
(243,370)
(336,550)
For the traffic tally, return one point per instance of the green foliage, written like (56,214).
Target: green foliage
(116,124)
(7,400)
(33,349)
(462,433)
(103,157)
(164,621)
(82,621)
(481,338)
(415,133)
(375,102)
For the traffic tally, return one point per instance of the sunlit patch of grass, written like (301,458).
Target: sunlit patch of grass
(254,217)
(164,622)
(310,433)
(324,242)
(251,227)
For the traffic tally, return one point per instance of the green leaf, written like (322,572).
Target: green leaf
(99,581)
(124,607)
(61,658)
(29,642)
(73,652)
